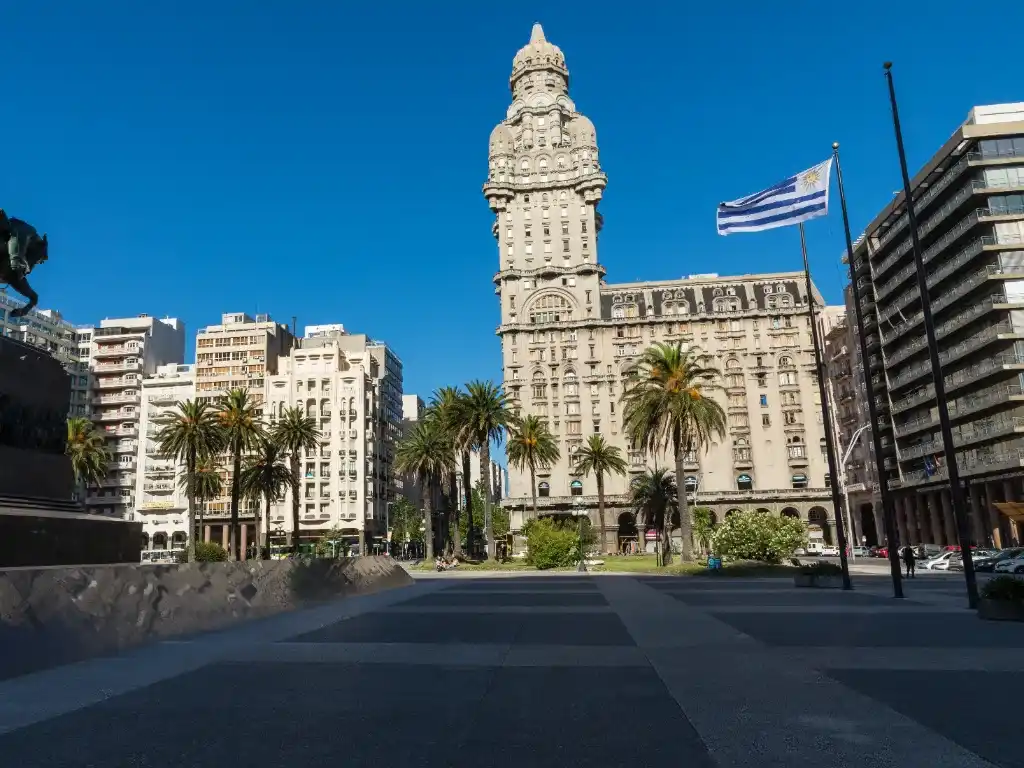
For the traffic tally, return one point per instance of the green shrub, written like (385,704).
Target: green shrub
(758,536)
(555,543)
(208,552)
(1004,588)
(821,568)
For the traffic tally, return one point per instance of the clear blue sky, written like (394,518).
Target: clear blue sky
(189,159)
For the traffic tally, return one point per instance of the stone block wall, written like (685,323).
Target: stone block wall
(54,616)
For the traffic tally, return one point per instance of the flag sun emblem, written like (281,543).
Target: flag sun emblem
(810,179)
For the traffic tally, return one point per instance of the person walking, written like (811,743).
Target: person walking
(908,561)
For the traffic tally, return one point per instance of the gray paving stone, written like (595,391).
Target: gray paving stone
(484,599)
(266,715)
(793,596)
(987,721)
(573,629)
(535,583)
(385,627)
(882,630)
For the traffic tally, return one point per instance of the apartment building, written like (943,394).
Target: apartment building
(568,337)
(352,386)
(239,353)
(121,353)
(161,504)
(407,485)
(969,203)
(48,330)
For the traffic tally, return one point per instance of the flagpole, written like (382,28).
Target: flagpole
(948,446)
(826,419)
(888,516)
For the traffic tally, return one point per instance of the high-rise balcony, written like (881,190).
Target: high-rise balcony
(116,367)
(158,486)
(968,465)
(115,415)
(117,399)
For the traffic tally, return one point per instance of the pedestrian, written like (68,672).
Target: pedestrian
(908,561)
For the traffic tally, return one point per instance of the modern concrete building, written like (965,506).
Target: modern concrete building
(48,330)
(969,201)
(499,477)
(122,352)
(160,501)
(352,385)
(413,409)
(568,337)
(239,353)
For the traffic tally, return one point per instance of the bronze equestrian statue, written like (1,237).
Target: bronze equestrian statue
(25,249)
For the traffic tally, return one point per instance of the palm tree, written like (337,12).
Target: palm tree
(294,433)
(483,415)
(653,496)
(444,406)
(426,453)
(599,457)
(243,432)
(190,434)
(207,485)
(264,478)
(87,447)
(531,444)
(665,406)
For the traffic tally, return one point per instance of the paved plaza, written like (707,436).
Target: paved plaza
(560,670)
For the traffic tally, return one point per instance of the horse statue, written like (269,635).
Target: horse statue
(35,251)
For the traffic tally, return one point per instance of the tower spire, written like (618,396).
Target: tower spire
(537,34)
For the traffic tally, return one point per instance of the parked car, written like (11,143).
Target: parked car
(1010,565)
(983,560)
(927,551)
(800,552)
(938,563)
(882,552)
(861,552)
(829,551)
(987,563)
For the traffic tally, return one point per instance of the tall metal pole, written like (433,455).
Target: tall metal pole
(888,509)
(948,447)
(826,419)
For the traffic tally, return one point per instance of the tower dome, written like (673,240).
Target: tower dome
(538,55)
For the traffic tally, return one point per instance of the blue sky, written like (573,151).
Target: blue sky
(189,159)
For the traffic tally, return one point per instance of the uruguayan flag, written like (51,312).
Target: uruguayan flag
(798,198)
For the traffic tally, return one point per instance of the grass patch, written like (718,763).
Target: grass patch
(646,564)
(478,565)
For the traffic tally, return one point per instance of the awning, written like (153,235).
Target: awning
(1012,509)
(799,478)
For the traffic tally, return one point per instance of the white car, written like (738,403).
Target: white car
(861,552)
(830,551)
(938,563)
(1013,565)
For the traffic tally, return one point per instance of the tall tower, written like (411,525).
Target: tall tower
(544,184)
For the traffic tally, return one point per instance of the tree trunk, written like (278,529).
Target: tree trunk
(295,503)
(453,513)
(467,489)
(685,522)
(265,554)
(600,512)
(533,489)
(234,535)
(190,470)
(485,475)
(260,526)
(428,514)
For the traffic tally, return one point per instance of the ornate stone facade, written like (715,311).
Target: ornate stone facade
(567,336)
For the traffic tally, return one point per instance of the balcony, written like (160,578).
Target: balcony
(114,383)
(968,465)
(115,415)
(923,396)
(158,487)
(742,459)
(114,367)
(163,398)
(798,458)
(115,399)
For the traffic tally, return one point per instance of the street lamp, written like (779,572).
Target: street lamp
(579,510)
(842,479)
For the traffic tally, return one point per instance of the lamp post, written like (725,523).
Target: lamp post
(842,479)
(579,510)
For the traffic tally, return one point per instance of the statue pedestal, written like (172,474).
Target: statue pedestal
(40,524)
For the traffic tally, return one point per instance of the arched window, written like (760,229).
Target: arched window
(779,301)
(572,388)
(618,311)
(690,483)
(732,363)
(724,304)
(575,488)
(539,385)
(551,308)
(543,166)
(744,483)
(543,489)
(786,362)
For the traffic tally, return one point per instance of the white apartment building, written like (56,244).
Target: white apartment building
(47,329)
(352,386)
(161,504)
(569,338)
(121,353)
(239,353)
(413,409)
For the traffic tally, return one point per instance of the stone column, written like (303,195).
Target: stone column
(224,535)
(948,524)
(206,533)
(244,539)
(879,513)
(993,515)
(977,514)
(935,519)
(901,521)
(1010,494)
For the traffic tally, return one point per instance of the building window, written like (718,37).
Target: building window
(543,489)
(764,401)
(828,480)
(575,488)
(799,481)
(744,483)
(766,420)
